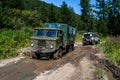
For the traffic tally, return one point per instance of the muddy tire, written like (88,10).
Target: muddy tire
(72,47)
(69,48)
(83,44)
(98,42)
(33,55)
(58,54)
(93,43)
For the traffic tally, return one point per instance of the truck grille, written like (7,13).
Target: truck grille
(41,43)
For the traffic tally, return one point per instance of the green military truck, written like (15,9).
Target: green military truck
(52,40)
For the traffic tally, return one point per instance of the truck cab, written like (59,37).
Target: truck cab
(46,41)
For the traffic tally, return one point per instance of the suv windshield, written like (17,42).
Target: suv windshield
(86,35)
(45,32)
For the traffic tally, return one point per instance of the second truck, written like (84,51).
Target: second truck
(52,40)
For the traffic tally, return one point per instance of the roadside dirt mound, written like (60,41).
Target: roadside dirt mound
(10,61)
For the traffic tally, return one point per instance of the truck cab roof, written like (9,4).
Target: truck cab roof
(48,28)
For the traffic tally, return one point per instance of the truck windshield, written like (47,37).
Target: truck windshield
(45,32)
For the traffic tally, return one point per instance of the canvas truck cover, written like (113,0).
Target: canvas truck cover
(69,31)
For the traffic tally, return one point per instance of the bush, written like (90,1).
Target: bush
(111,49)
(79,36)
(16,19)
(11,40)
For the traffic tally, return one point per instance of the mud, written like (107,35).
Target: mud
(111,69)
(18,71)
(78,61)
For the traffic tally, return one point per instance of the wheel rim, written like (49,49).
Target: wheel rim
(57,54)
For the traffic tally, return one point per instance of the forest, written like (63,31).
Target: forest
(19,17)
(103,17)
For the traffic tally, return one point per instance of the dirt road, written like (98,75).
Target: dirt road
(75,65)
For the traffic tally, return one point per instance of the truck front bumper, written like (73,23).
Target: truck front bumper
(44,53)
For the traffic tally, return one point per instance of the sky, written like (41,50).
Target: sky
(71,3)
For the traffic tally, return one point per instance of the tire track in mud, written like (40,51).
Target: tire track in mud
(18,71)
(28,69)
(110,68)
(77,58)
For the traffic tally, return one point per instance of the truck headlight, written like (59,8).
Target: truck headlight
(51,46)
(32,44)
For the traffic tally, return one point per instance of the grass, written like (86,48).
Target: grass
(11,40)
(78,37)
(99,73)
(111,48)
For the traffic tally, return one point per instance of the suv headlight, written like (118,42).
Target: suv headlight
(92,38)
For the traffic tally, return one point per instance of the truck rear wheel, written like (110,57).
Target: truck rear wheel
(71,48)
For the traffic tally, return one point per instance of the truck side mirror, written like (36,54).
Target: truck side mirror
(60,34)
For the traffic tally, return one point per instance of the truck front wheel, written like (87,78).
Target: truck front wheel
(33,55)
(58,54)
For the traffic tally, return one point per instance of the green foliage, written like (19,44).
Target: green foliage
(111,49)
(102,27)
(78,37)
(104,17)
(12,4)
(108,15)
(64,13)
(53,13)
(86,16)
(11,40)
(99,73)
(16,19)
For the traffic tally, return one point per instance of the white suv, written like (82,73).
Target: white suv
(90,38)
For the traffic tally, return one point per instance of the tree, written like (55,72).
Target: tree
(102,16)
(68,16)
(53,14)
(85,17)
(12,4)
(102,9)
(114,17)
(108,12)
(64,10)
(18,13)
